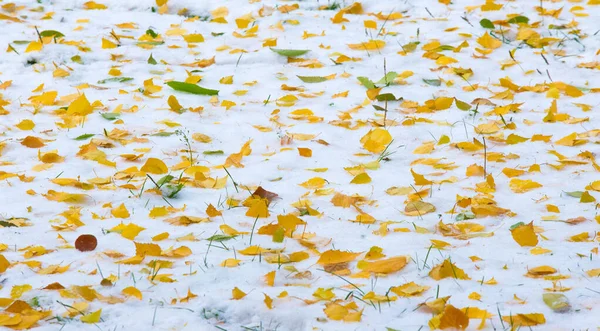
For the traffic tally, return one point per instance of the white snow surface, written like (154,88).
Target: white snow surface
(280,169)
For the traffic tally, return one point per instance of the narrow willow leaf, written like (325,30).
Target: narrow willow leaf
(487,24)
(191,88)
(220,237)
(163,134)
(51,33)
(153,43)
(312,79)
(219,152)
(290,52)
(85,136)
(433,82)
(115,79)
(575,194)
(110,116)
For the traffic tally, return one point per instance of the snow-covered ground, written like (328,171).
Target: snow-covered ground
(384,165)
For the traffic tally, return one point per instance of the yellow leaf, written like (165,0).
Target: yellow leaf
(237,294)
(447,269)
(65,197)
(4,264)
(386,266)
(107,44)
(450,318)
(120,212)
(227,80)
(25,125)
(363,178)
(92,317)
(34,46)
(268,301)
(155,166)
(524,235)
(18,290)
(92,5)
(132,292)
(336,256)
(193,38)
(270,278)
(522,186)
(80,106)
(258,209)
(158,212)
(305,152)
(314,183)
(420,179)
(335,311)
(368,46)
(174,103)
(376,141)
(409,289)
(489,42)
(418,208)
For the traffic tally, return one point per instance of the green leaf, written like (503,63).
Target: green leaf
(278,235)
(219,152)
(151,33)
(151,60)
(191,88)
(290,52)
(163,134)
(21,42)
(7,224)
(366,82)
(433,82)
(386,97)
(220,237)
(575,194)
(77,59)
(487,24)
(217,34)
(164,180)
(519,19)
(388,78)
(172,190)
(110,116)
(153,43)
(444,48)
(312,79)
(85,136)
(379,108)
(410,47)
(516,225)
(462,105)
(556,301)
(115,79)
(51,33)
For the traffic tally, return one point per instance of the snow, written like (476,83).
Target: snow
(278,168)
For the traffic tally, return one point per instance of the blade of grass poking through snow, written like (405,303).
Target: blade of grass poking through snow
(115,80)
(85,136)
(312,79)
(290,52)
(191,88)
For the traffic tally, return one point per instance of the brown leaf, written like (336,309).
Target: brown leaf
(261,192)
(86,243)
